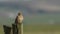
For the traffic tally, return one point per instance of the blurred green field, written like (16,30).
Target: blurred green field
(39,29)
(38,24)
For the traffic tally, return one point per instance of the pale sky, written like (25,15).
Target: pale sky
(15,0)
(48,4)
(42,4)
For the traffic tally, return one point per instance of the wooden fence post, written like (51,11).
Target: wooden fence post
(7,30)
(20,28)
(14,29)
(17,29)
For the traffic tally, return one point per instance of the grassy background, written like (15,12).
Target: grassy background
(38,24)
(39,29)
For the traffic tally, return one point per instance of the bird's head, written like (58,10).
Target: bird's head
(19,13)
